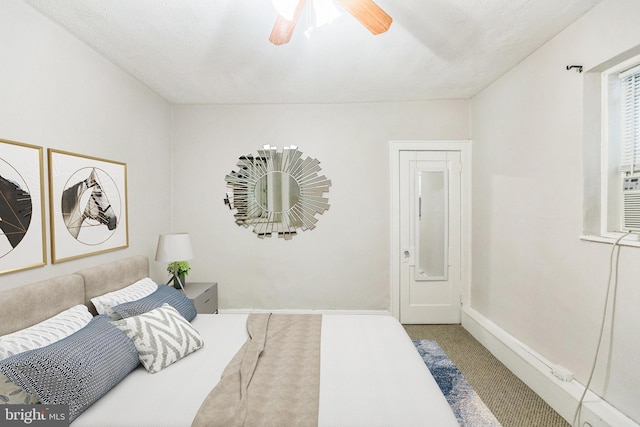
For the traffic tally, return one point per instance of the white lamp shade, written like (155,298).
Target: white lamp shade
(174,247)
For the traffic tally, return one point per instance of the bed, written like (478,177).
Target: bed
(369,371)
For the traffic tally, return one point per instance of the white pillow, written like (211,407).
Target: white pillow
(161,336)
(139,289)
(46,332)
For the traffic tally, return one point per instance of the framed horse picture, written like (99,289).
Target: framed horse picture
(87,205)
(22,225)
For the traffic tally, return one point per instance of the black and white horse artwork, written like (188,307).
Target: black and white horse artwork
(84,204)
(15,211)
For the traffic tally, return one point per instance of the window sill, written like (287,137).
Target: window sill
(632,240)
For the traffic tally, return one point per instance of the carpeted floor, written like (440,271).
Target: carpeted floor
(509,399)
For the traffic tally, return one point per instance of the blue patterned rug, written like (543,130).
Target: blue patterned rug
(467,406)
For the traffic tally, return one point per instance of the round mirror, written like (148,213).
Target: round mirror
(277,192)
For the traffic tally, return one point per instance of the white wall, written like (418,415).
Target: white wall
(55,92)
(344,262)
(532,275)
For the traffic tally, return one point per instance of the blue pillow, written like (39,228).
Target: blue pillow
(77,370)
(163,295)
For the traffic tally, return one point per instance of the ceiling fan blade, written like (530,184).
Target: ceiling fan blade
(369,14)
(283,28)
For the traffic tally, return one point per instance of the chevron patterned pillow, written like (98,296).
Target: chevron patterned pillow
(162,337)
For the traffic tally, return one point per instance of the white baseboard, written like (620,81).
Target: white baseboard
(296,311)
(536,373)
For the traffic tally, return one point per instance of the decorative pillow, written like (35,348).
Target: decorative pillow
(77,370)
(46,332)
(162,337)
(164,294)
(11,394)
(139,289)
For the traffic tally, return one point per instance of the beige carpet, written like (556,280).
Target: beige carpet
(511,401)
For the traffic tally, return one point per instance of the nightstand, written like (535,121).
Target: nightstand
(204,296)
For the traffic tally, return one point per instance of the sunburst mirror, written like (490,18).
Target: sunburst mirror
(277,192)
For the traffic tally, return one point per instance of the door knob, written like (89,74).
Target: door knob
(407,255)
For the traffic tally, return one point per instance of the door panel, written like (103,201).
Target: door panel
(430,233)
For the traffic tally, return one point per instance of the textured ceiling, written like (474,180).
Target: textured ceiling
(217,51)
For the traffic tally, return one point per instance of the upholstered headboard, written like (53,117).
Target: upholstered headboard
(27,305)
(30,304)
(112,276)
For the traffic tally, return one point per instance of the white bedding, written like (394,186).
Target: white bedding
(370,375)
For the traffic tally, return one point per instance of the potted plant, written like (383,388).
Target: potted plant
(179,269)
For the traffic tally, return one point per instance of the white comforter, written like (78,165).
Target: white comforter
(370,375)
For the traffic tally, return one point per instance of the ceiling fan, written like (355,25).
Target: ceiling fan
(367,12)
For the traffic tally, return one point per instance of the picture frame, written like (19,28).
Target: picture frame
(22,223)
(87,205)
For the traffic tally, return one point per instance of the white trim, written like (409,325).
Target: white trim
(610,204)
(536,372)
(632,240)
(303,311)
(605,115)
(464,146)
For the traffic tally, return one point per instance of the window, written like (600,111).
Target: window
(630,112)
(612,146)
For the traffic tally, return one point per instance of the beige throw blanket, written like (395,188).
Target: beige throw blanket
(273,380)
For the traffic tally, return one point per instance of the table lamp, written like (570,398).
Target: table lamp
(174,247)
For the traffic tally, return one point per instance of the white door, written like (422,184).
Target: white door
(430,237)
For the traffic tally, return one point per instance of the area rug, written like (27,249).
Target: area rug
(469,409)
